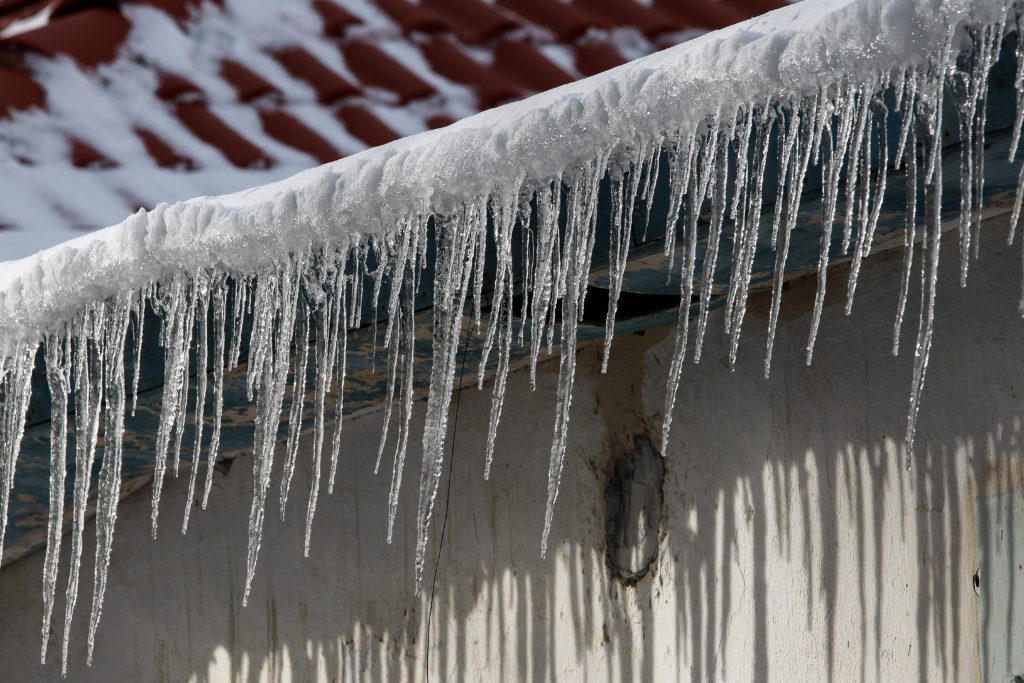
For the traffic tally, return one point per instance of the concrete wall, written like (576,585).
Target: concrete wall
(794,545)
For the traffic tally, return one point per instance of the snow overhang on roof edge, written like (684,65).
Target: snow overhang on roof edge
(819,83)
(790,52)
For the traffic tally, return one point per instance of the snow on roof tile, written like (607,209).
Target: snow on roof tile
(90,37)
(329,85)
(161,152)
(474,21)
(285,128)
(375,68)
(366,126)
(214,88)
(248,84)
(208,127)
(335,17)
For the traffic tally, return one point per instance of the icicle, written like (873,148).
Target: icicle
(856,143)
(280,294)
(298,404)
(15,392)
(624,194)
(202,369)
(752,222)
(931,108)
(89,386)
(177,340)
(832,171)
(718,207)
(219,296)
(910,227)
(870,212)
(577,254)
(140,315)
(408,339)
(738,215)
(803,120)
(340,364)
(109,490)
(332,322)
(451,278)
(58,379)
(1018,86)
(696,194)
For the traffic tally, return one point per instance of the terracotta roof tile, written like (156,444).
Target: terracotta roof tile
(567,22)
(329,85)
(707,14)
(365,125)
(174,88)
(62,8)
(18,90)
(179,9)
(335,17)
(451,62)
(473,20)
(414,18)
(84,155)
(161,152)
(629,13)
(376,68)
(206,126)
(248,84)
(90,37)
(593,57)
(439,121)
(752,8)
(523,63)
(285,128)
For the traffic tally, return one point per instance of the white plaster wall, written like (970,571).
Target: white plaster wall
(795,546)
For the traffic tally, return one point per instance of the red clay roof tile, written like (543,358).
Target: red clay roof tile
(335,17)
(330,86)
(285,128)
(630,13)
(414,18)
(248,84)
(439,121)
(62,8)
(90,37)
(523,63)
(376,68)
(565,21)
(179,9)
(206,126)
(593,57)
(706,14)
(161,152)
(451,62)
(84,155)
(474,21)
(363,124)
(174,88)
(18,90)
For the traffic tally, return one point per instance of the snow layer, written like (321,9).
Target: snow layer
(296,256)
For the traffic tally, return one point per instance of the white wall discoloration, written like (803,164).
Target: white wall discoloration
(794,546)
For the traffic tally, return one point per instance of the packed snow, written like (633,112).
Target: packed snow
(297,256)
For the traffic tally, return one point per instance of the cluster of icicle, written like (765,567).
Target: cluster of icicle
(302,308)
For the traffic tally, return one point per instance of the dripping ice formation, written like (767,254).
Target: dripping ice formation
(810,87)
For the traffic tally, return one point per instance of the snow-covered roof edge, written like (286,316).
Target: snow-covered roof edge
(796,49)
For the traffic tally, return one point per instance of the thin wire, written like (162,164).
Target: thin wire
(447,497)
